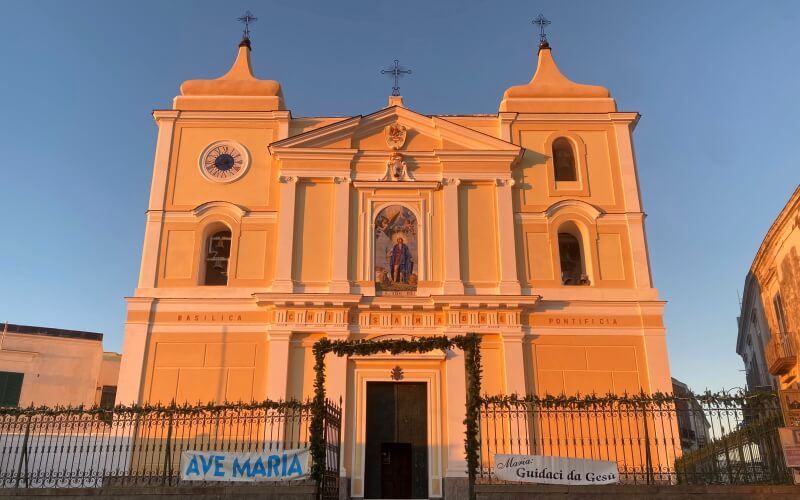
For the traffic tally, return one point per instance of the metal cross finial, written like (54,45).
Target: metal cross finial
(396,72)
(246,19)
(541,21)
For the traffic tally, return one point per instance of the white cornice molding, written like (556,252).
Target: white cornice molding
(418,184)
(306,299)
(320,154)
(305,172)
(621,116)
(225,115)
(577,205)
(471,155)
(165,114)
(332,133)
(470,137)
(603,218)
(224,206)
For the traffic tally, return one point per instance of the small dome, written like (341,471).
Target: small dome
(551,92)
(238,89)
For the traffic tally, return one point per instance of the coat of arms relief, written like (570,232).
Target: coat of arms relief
(396,167)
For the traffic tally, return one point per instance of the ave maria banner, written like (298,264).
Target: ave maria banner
(554,470)
(254,466)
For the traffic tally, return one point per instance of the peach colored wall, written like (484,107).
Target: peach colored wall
(313,232)
(57,371)
(478,238)
(205,367)
(587,364)
(188,188)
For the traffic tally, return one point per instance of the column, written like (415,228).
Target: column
(456,391)
(451,247)
(283,263)
(278,364)
(509,282)
(514,358)
(341,227)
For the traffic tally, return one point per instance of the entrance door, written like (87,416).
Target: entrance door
(396,461)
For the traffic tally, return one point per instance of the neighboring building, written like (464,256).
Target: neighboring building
(771,306)
(51,367)
(693,425)
(266,232)
(753,337)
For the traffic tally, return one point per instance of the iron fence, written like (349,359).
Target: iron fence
(703,439)
(77,447)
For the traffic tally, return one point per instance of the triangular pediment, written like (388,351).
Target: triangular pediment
(368,133)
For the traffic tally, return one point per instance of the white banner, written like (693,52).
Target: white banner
(554,470)
(265,466)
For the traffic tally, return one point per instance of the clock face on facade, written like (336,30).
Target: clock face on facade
(224,161)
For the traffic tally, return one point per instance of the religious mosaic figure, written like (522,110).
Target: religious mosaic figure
(396,249)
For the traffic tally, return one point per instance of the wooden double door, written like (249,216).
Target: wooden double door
(396,461)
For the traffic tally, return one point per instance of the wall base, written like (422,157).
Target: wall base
(538,491)
(456,488)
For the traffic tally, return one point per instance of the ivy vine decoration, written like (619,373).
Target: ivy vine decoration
(469,344)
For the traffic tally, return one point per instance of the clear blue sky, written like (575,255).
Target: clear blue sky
(716,82)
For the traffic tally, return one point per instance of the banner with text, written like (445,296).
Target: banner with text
(265,466)
(555,470)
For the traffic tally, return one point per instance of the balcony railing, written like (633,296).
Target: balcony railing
(781,354)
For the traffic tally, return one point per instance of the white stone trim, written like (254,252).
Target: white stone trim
(365,371)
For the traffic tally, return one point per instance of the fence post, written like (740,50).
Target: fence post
(24,454)
(168,453)
(648,456)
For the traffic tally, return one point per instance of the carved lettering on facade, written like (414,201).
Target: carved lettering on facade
(210,317)
(572,321)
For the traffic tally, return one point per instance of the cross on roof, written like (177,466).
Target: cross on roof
(396,72)
(541,21)
(246,19)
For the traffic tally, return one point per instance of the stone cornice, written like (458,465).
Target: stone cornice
(764,256)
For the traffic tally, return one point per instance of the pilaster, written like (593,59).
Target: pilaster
(456,390)
(514,362)
(134,350)
(336,388)
(627,165)
(277,364)
(509,281)
(341,227)
(158,189)
(283,266)
(452,258)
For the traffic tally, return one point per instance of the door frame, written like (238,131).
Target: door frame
(424,368)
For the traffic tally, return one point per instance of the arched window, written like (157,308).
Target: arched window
(564,160)
(573,269)
(217,255)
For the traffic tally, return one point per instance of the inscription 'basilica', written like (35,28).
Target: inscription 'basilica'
(267,231)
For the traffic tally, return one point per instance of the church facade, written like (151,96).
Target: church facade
(266,232)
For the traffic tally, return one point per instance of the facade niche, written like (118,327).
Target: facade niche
(217,256)
(571,256)
(564,160)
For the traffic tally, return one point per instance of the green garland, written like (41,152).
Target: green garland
(156,409)
(469,343)
(721,399)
